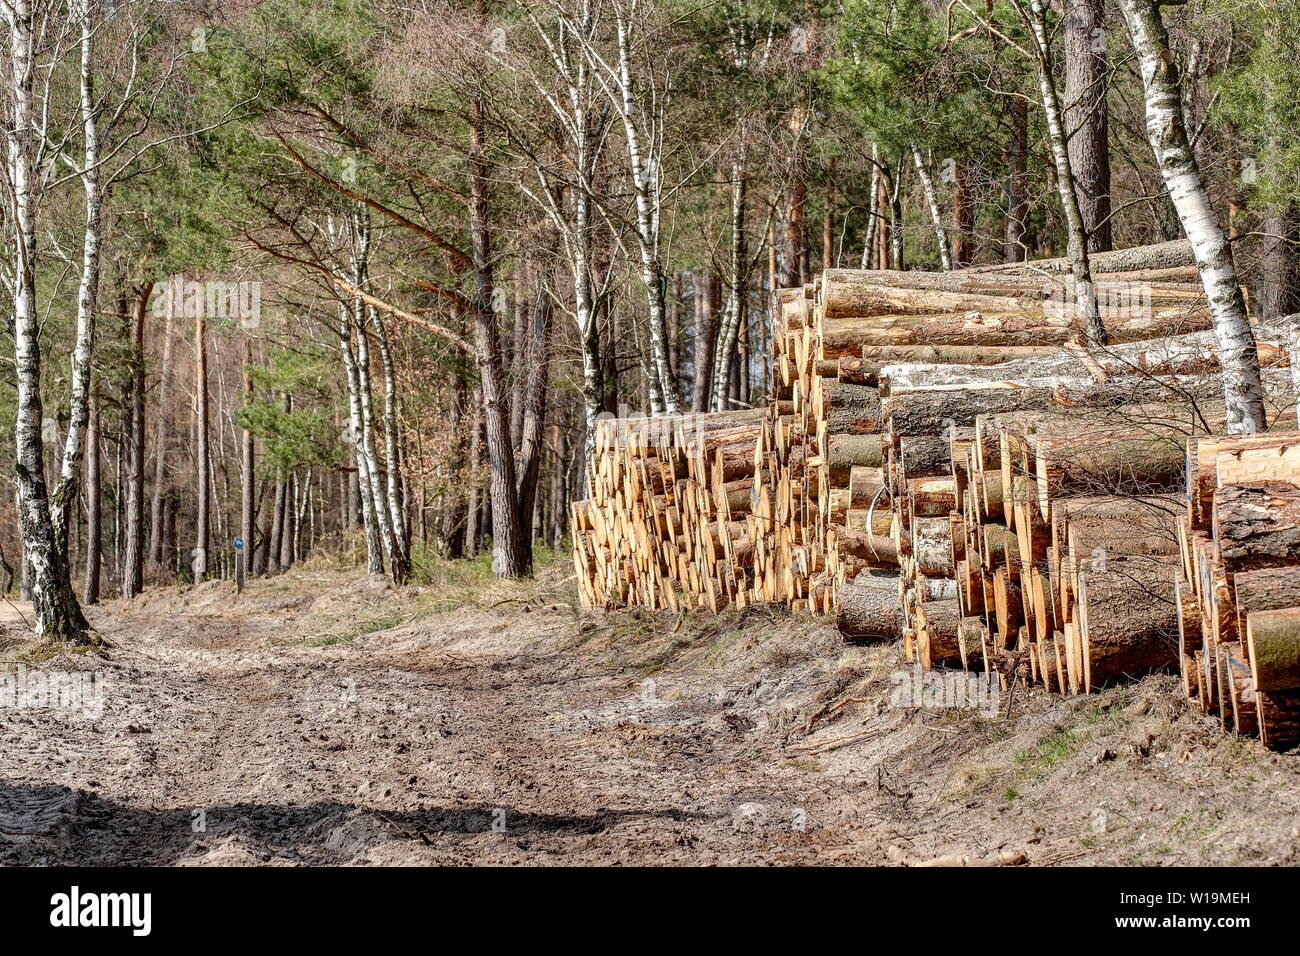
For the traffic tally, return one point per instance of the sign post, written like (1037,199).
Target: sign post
(239,565)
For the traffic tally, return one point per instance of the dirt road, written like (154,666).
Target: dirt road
(269,730)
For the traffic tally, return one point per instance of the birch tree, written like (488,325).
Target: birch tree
(1167,131)
(932,201)
(1038,50)
(560,177)
(58,614)
(642,106)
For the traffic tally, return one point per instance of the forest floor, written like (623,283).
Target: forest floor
(325,717)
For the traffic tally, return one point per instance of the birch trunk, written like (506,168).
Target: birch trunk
(1243,393)
(355,429)
(873,211)
(1078,238)
(400,563)
(67,490)
(58,615)
(932,201)
(646,173)
(729,330)
(373,486)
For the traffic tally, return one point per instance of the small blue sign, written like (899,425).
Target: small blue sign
(239,544)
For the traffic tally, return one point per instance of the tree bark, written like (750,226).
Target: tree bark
(400,559)
(532,441)
(1257,526)
(932,202)
(1242,391)
(511,557)
(1013,249)
(707,288)
(735,308)
(133,558)
(160,442)
(1087,117)
(58,615)
(67,489)
(871,611)
(94,507)
(1277,289)
(248,477)
(1081,268)
(203,477)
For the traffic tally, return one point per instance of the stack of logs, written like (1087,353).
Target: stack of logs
(942,462)
(1239,612)
(671,520)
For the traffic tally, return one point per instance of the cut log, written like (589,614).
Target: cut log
(1266,589)
(938,623)
(1176,355)
(870,612)
(1279,718)
(927,456)
(1128,619)
(872,548)
(855,371)
(844,452)
(931,497)
(1161,255)
(932,411)
(850,336)
(1257,526)
(932,546)
(1274,641)
(1275,459)
(973,643)
(1202,467)
(850,409)
(844,295)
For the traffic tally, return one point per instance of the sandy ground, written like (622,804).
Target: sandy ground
(329,719)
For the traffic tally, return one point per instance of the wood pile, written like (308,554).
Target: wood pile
(1239,610)
(944,464)
(673,518)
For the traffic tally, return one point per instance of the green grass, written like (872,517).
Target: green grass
(1051,750)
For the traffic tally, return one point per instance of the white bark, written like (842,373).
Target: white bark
(565,191)
(372,488)
(729,332)
(873,211)
(644,168)
(392,450)
(932,200)
(1077,249)
(69,483)
(58,615)
(1166,128)
(364,463)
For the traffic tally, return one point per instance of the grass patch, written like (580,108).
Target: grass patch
(1051,750)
